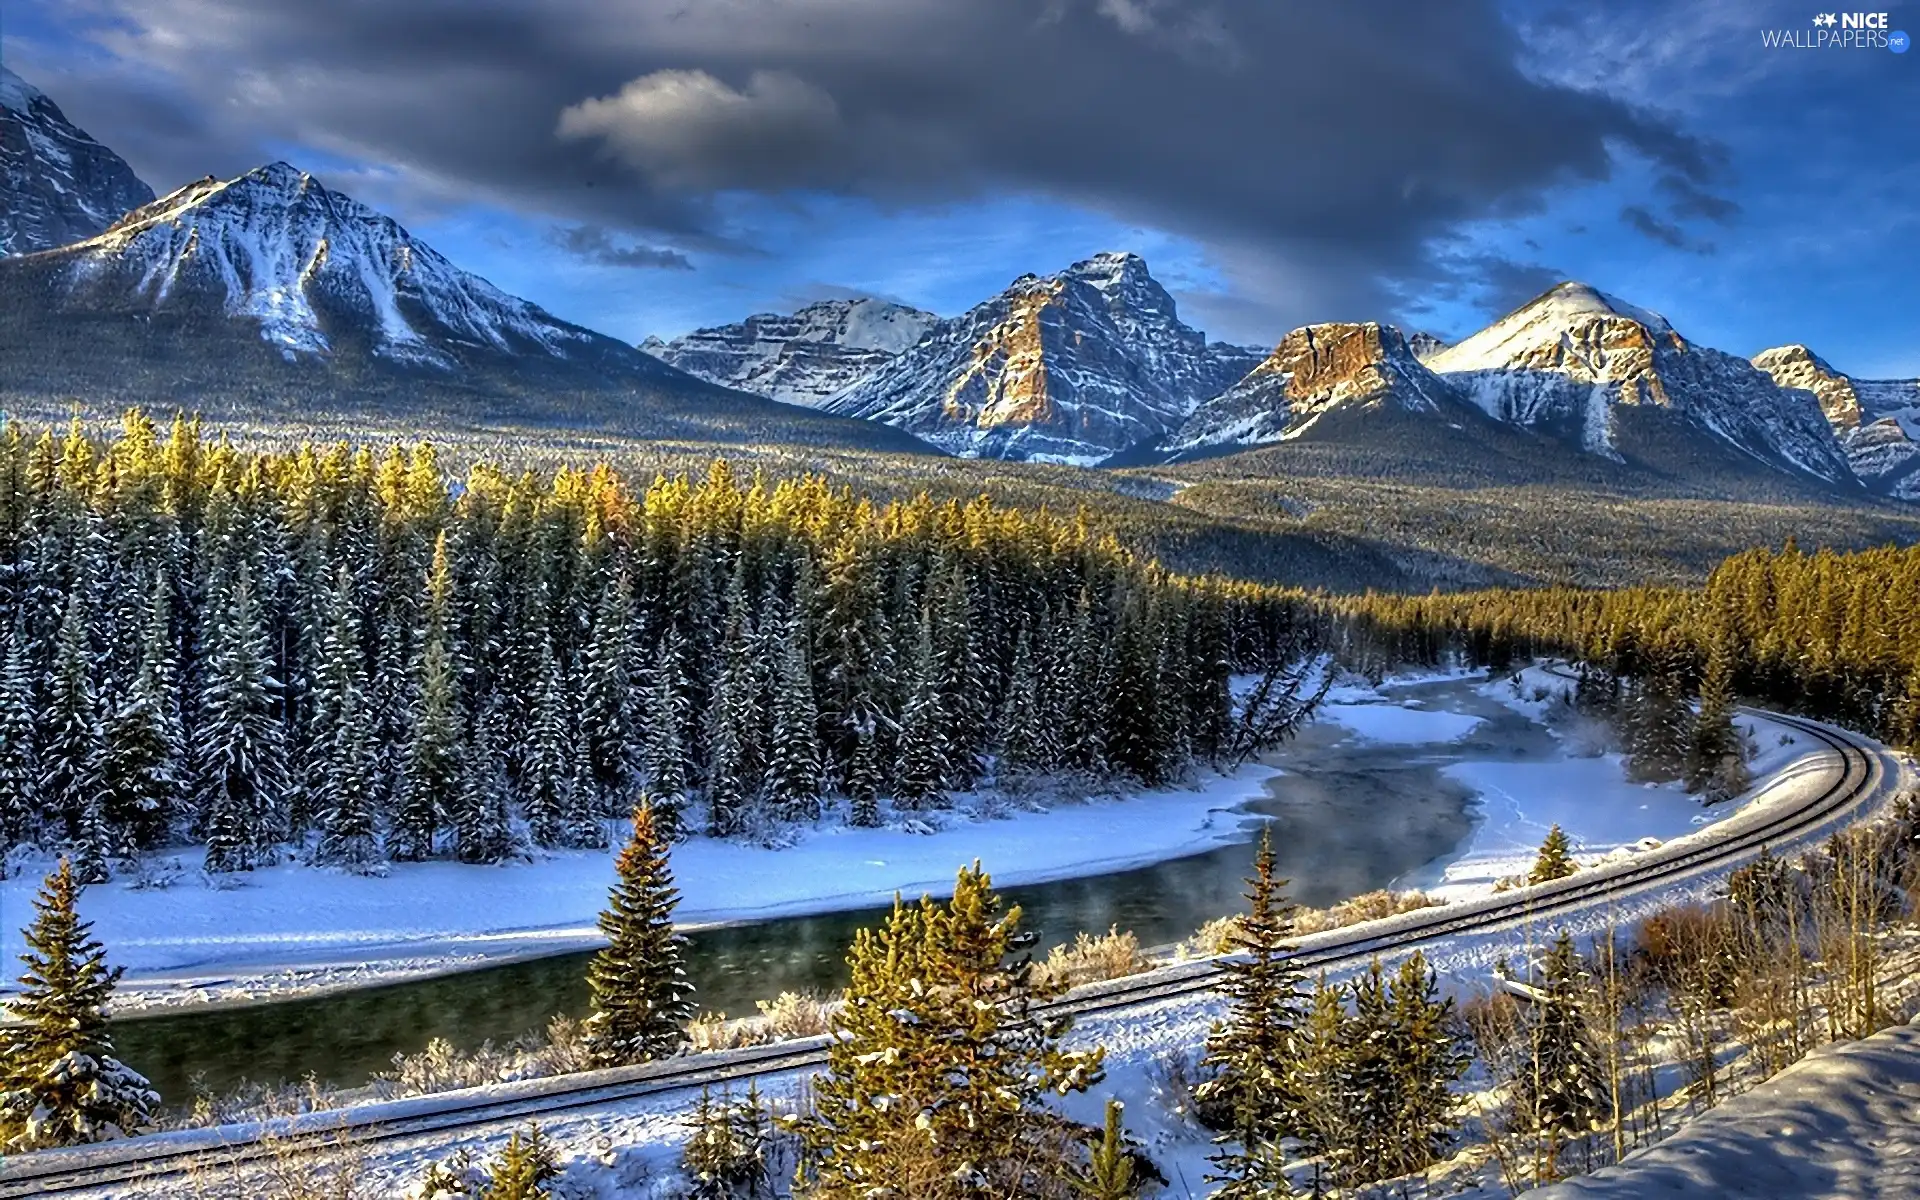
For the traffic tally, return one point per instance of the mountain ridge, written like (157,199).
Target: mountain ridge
(59,184)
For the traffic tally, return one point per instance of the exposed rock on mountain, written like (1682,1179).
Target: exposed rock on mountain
(57,185)
(1424,345)
(1588,367)
(805,358)
(1877,421)
(1073,367)
(1313,371)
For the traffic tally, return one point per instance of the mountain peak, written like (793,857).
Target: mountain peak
(61,185)
(806,357)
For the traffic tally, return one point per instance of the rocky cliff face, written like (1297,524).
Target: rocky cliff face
(1572,359)
(1313,371)
(1877,421)
(57,185)
(807,357)
(1073,367)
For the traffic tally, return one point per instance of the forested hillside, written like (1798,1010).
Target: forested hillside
(1836,636)
(342,653)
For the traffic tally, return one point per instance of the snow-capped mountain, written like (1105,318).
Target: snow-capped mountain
(57,185)
(1877,421)
(1424,345)
(314,272)
(1313,371)
(1586,366)
(1073,367)
(807,357)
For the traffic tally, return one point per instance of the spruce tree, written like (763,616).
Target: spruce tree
(1427,1059)
(924,757)
(340,765)
(1109,1173)
(606,698)
(482,832)
(642,1000)
(1558,1084)
(1555,860)
(59,1082)
(864,779)
(1715,767)
(1027,742)
(1250,1052)
(546,774)
(793,760)
(1322,1080)
(939,1062)
(72,742)
(19,782)
(668,768)
(139,775)
(432,779)
(241,762)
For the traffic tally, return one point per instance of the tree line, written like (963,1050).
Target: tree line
(1833,635)
(350,655)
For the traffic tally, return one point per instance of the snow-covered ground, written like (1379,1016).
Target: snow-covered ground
(1840,1125)
(294,929)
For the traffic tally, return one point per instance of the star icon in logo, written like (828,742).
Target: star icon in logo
(1827,19)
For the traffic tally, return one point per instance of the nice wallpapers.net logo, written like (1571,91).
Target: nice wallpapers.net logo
(1840,31)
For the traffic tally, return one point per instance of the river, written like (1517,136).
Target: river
(1348,816)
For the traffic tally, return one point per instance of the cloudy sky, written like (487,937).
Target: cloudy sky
(648,166)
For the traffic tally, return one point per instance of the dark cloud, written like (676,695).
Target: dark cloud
(596,245)
(1641,220)
(1320,151)
(1687,200)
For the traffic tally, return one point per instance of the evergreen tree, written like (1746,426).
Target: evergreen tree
(242,766)
(1555,860)
(429,789)
(1322,1080)
(667,767)
(1558,1084)
(1659,725)
(523,1169)
(864,779)
(1716,768)
(141,771)
(59,1082)
(1426,1060)
(641,998)
(340,787)
(606,705)
(546,776)
(1109,1174)
(923,732)
(483,833)
(1027,742)
(19,783)
(733,723)
(1250,1052)
(727,1153)
(793,762)
(73,746)
(936,1072)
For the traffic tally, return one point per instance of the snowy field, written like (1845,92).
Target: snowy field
(1840,1124)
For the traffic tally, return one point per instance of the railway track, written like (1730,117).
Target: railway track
(147,1161)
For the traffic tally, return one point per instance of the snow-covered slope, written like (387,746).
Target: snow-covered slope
(1877,421)
(1576,362)
(804,358)
(1072,367)
(314,271)
(1424,345)
(1313,371)
(57,185)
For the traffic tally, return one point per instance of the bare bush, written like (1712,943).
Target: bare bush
(1112,955)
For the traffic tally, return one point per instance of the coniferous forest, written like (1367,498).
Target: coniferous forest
(345,654)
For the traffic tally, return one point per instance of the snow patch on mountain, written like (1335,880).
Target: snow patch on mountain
(807,357)
(57,184)
(313,268)
(1571,359)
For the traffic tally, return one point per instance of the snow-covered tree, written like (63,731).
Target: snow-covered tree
(432,780)
(642,1000)
(60,1084)
(1558,1082)
(793,756)
(481,830)
(547,770)
(923,769)
(668,769)
(19,782)
(242,773)
(606,698)
(72,740)
(1555,860)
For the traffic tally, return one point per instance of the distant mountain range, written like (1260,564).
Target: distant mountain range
(271,290)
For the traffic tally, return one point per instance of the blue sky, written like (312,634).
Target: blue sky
(648,166)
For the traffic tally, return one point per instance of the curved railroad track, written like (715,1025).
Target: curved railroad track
(143,1162)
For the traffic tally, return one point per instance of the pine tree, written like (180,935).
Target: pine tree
(1251,1051)
(727,1155)
(140,773)
(429,788)
(72,747)
(864,779)
(606,702)
(1109,1174)
(641,998)
(668,768)
(523,1168)
(1426,1060)
(1558,1084)
(936,1072)
(733,723)
(924,747)
(340,786)
(19,782)
(546,775)
(1555,860)
(1659,725)
(1371,1096)
(482,832)
(1322,1079)
(1715,767)
(793,761)
(1027,742)
(242,766)
(59,1082)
